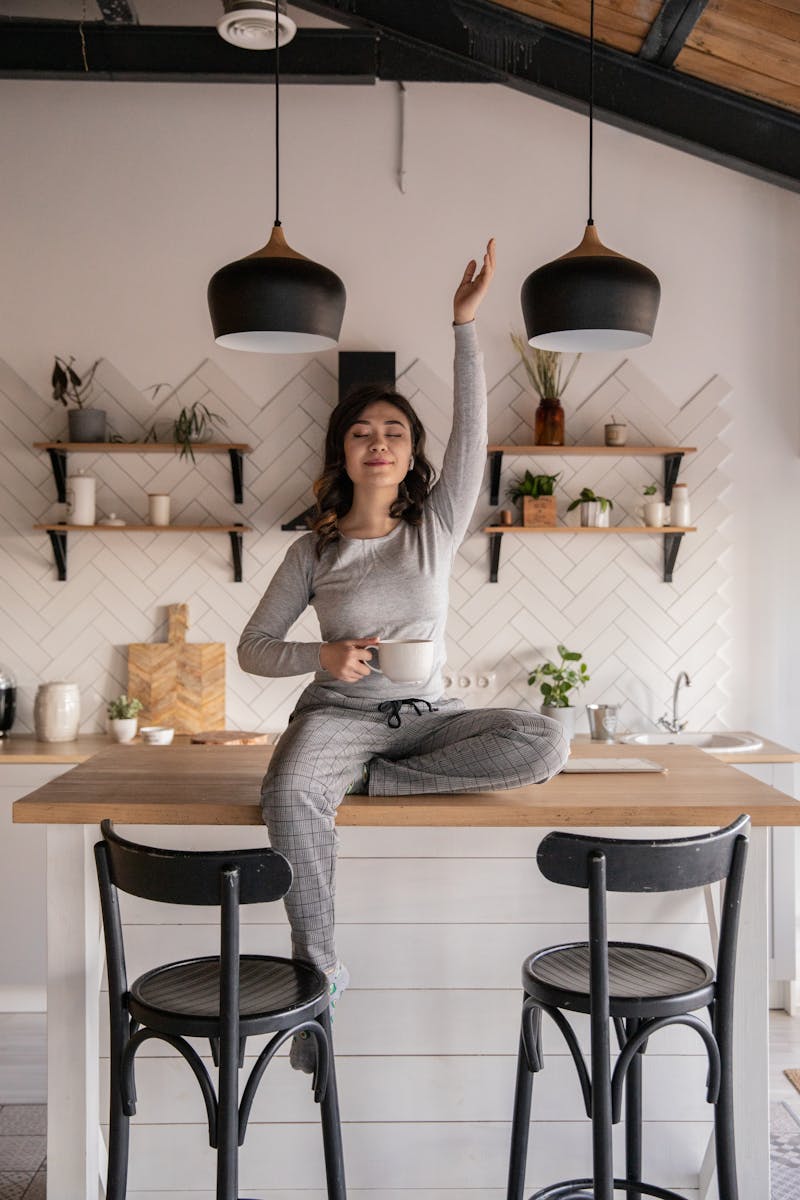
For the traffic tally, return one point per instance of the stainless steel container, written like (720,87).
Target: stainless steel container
(602,721)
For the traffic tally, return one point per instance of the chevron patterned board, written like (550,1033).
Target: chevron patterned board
(604,597)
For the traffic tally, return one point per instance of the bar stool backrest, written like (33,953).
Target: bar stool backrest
(644,865)
(193,876)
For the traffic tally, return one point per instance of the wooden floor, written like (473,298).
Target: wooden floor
(23,1093)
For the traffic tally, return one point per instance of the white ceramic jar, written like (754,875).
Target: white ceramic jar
(57,712)
(81,499)
(679,507)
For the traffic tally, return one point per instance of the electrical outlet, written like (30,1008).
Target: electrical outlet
(486,679)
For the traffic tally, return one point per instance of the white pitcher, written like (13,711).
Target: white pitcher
(81,499)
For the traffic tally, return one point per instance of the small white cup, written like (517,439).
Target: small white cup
(404,661)
(157,735)
(158,508)
(616,434)
(654,513)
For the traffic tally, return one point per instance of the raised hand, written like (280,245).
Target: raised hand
(472,287)
(347,660)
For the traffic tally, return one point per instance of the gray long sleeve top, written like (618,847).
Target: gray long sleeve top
(390,587)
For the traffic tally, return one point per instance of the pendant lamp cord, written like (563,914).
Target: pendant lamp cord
(278,113)
(591,109)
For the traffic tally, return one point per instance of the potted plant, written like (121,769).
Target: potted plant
(123,716)
(544,370)
(195,423)
(652,511)
(85,424)
(536,494)
(556,681)
(595,510)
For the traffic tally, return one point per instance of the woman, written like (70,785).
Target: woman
(377,565)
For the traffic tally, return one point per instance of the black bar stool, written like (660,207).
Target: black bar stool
(642,989)
(225,998)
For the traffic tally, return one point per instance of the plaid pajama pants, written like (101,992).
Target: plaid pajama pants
(329,738)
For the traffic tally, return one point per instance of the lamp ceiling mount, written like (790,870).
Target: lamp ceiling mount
(250,24)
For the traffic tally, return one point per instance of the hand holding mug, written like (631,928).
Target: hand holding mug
(348,660)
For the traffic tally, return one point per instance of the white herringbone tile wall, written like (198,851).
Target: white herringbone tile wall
(602,596)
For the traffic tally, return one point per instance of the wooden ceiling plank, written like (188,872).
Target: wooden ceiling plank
(758,15)
(669,31)
(752,50)
(614,26)
(700,65)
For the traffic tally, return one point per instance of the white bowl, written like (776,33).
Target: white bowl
(157,735)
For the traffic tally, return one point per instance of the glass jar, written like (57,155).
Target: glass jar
(57,712)
(548,426)
(8,700)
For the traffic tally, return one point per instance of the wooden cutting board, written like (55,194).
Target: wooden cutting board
(180,683)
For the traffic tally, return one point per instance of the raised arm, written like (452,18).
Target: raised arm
(453,498)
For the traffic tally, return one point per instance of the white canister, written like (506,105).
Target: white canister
(80,499)
(57,712)
(679,509)
(158,508)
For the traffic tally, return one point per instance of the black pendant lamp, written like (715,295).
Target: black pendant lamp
(274,301)
(591,298)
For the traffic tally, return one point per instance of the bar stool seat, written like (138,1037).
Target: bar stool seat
(643,981)
(635,989)
(274,993)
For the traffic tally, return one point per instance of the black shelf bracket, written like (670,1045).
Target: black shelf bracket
(672,543)
(236,553)
(495,540)
(672,465)
(58,541)
(58,461)
(495,467)
(301,521)
(237,471)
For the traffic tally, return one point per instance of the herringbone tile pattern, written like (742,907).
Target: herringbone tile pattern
(604,597)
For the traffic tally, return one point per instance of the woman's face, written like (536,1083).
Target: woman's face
(377,447)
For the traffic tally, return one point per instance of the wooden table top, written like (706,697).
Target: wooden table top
(219,785)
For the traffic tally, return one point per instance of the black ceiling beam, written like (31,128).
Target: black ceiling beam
(671,107)
(52,50)
(117,12)
(669,31)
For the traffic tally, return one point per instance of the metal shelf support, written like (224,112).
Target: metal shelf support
(672,465)
(495,467)
(495,541)
(58,541)
(237,472)
(58,461)
(672,543)
(236,553)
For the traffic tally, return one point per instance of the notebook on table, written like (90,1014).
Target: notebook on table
(603,766)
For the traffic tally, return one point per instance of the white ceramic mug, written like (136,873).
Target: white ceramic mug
(158,508)
(652,511)
(404,661)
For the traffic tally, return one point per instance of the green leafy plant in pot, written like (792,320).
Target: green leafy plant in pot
(595,510)
(196,423)
(544,369)
(123,716)
(556,681)
(535,494)
(85,424)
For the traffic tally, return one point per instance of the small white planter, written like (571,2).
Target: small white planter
(593,515)
(564,716)
(123,729)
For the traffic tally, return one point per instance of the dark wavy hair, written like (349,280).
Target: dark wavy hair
(334,488)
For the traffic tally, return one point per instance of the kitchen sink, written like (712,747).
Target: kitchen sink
(731,743)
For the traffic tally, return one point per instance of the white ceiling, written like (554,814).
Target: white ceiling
(149,12)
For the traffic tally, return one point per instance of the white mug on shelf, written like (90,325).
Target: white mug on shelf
(653,513)
(158,508)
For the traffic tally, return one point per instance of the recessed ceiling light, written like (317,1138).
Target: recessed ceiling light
(250,24)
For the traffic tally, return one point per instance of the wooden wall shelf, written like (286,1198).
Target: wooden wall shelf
(58,452)
(58,533)
(672,455)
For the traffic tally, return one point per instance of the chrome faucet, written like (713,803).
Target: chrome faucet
(675,726)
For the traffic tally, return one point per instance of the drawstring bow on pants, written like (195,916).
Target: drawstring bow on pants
(395,707)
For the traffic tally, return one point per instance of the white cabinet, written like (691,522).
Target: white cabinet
(23,963)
